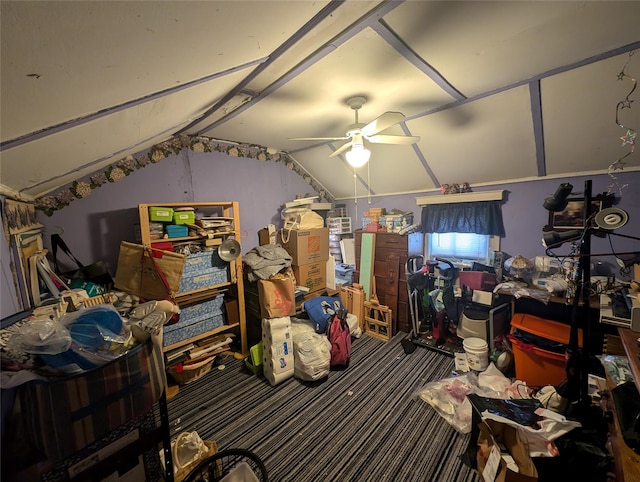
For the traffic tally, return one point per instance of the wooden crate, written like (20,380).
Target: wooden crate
(353,300)
(378,320)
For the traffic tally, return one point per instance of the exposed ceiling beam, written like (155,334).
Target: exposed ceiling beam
(369,20)
(277,53)
(386,32)
(63,126)
(538,128)
(548,73)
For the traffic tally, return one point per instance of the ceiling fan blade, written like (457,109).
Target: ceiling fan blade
(382,122)
(341,149)
(318,138)
(382,139)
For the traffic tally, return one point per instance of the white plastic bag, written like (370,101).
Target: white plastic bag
(40,336)
(449,395)
(354,327)
(312,351)
(299,219)
(187,449)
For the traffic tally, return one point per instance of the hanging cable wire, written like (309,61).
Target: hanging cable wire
(369,182)
(355,189)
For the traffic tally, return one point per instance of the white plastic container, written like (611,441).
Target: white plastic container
(477,352)
(240,473)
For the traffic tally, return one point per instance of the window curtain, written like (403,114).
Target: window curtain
(481,217)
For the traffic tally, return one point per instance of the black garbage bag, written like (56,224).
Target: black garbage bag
(582,457)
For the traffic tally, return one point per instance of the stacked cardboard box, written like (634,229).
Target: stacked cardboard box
(309,250)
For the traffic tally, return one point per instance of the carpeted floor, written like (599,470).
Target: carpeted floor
(362,424)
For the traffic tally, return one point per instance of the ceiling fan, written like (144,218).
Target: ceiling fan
(358,133)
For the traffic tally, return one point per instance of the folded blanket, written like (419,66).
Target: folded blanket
(265,261)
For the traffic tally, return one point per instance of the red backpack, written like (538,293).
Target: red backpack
(340,338)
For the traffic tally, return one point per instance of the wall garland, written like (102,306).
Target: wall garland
(117,171)
(629,138)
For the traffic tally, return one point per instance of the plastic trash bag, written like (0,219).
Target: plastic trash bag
(98,333)
(537,426)
(312,351)
(188,448)
(41,336)
(449,396)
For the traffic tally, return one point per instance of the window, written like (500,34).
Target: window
(460,246)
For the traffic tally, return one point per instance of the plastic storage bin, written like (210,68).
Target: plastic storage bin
(176,231)
(163,214)
(539,347)
(184,217)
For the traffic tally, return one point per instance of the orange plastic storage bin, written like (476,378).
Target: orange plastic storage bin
(534,365)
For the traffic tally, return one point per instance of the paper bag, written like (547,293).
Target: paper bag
(277,295)
(136,273)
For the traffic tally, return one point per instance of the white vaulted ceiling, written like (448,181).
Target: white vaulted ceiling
(496,91)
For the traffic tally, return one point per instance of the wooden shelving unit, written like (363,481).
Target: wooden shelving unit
(234,286)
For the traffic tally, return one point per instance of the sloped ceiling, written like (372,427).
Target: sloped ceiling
(496,91)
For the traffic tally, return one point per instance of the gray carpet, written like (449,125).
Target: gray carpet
(361,424)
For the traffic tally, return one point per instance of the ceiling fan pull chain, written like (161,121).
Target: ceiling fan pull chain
(355,191)
(369,182)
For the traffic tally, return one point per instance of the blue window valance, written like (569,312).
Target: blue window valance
(480,217)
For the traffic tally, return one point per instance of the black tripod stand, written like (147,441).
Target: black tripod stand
(575,387)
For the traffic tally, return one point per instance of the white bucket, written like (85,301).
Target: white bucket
(477,352)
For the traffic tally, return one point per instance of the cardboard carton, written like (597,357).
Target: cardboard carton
(511,463)
(307,246)
(313,276)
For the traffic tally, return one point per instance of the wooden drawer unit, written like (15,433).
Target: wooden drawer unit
(389,269)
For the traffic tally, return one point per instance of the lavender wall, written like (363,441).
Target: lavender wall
(8,300)
(524,217)
(94,226)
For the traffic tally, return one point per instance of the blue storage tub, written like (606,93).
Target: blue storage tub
(176,231)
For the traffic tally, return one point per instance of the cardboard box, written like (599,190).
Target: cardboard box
(203,279)
(496,464)
(313,276)
(195,312)
(307,246)
(192,330)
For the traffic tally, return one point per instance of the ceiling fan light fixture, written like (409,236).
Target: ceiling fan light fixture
(358,155)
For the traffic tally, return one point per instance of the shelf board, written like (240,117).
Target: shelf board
(191,238)
(201,336)
(461,197)
(227,204)
(203,293)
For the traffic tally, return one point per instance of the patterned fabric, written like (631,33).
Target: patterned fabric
(65,415)
(25,359)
